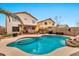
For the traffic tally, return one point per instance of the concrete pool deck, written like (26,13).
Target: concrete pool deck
(12,51)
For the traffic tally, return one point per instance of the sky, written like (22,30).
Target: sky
(62,13)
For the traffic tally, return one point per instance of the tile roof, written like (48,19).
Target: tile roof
(26,13)
(46,20)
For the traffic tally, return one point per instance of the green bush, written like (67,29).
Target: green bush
(59,33)
(14,35)
(7,35)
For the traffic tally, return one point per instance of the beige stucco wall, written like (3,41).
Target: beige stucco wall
(49,24)
(73,31)
(41,24)
(26,19)
(8,25)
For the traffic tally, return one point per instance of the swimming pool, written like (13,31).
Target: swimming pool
(39,45)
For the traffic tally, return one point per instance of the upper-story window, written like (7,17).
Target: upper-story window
(33,21)
(45,23)
(25,18)
(13,19)
(52,23)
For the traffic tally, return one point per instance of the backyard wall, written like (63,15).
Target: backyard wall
(73,31)
(2,30)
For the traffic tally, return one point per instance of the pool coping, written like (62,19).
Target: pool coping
(12,51)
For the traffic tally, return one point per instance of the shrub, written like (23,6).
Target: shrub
(15,34)
(50,32)
(7,35)
(60,33)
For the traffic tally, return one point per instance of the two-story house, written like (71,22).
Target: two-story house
(13,25)
(47,23)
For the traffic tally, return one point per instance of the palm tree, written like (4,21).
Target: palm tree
(12,15)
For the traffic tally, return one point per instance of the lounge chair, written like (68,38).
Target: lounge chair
(70,43)
(73,42)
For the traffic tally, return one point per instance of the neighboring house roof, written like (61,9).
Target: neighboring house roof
(74,27)
(2,27)
(27,13)
(46,20)
(62,26)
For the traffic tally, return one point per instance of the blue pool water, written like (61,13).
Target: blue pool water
(39,45)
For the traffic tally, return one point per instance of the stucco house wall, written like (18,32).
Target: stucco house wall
(26,18)
(45,24)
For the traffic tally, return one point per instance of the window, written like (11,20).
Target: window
(53,24)
(69,29)
(25,18)
(33,21)
(13,19)
(33,28)
(15,29)
(45,23)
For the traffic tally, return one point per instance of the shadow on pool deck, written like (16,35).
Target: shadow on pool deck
(1,54)
(75,54)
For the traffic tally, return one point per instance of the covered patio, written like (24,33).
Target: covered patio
(28,29)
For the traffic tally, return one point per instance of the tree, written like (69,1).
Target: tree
(12,15)
(57,19)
